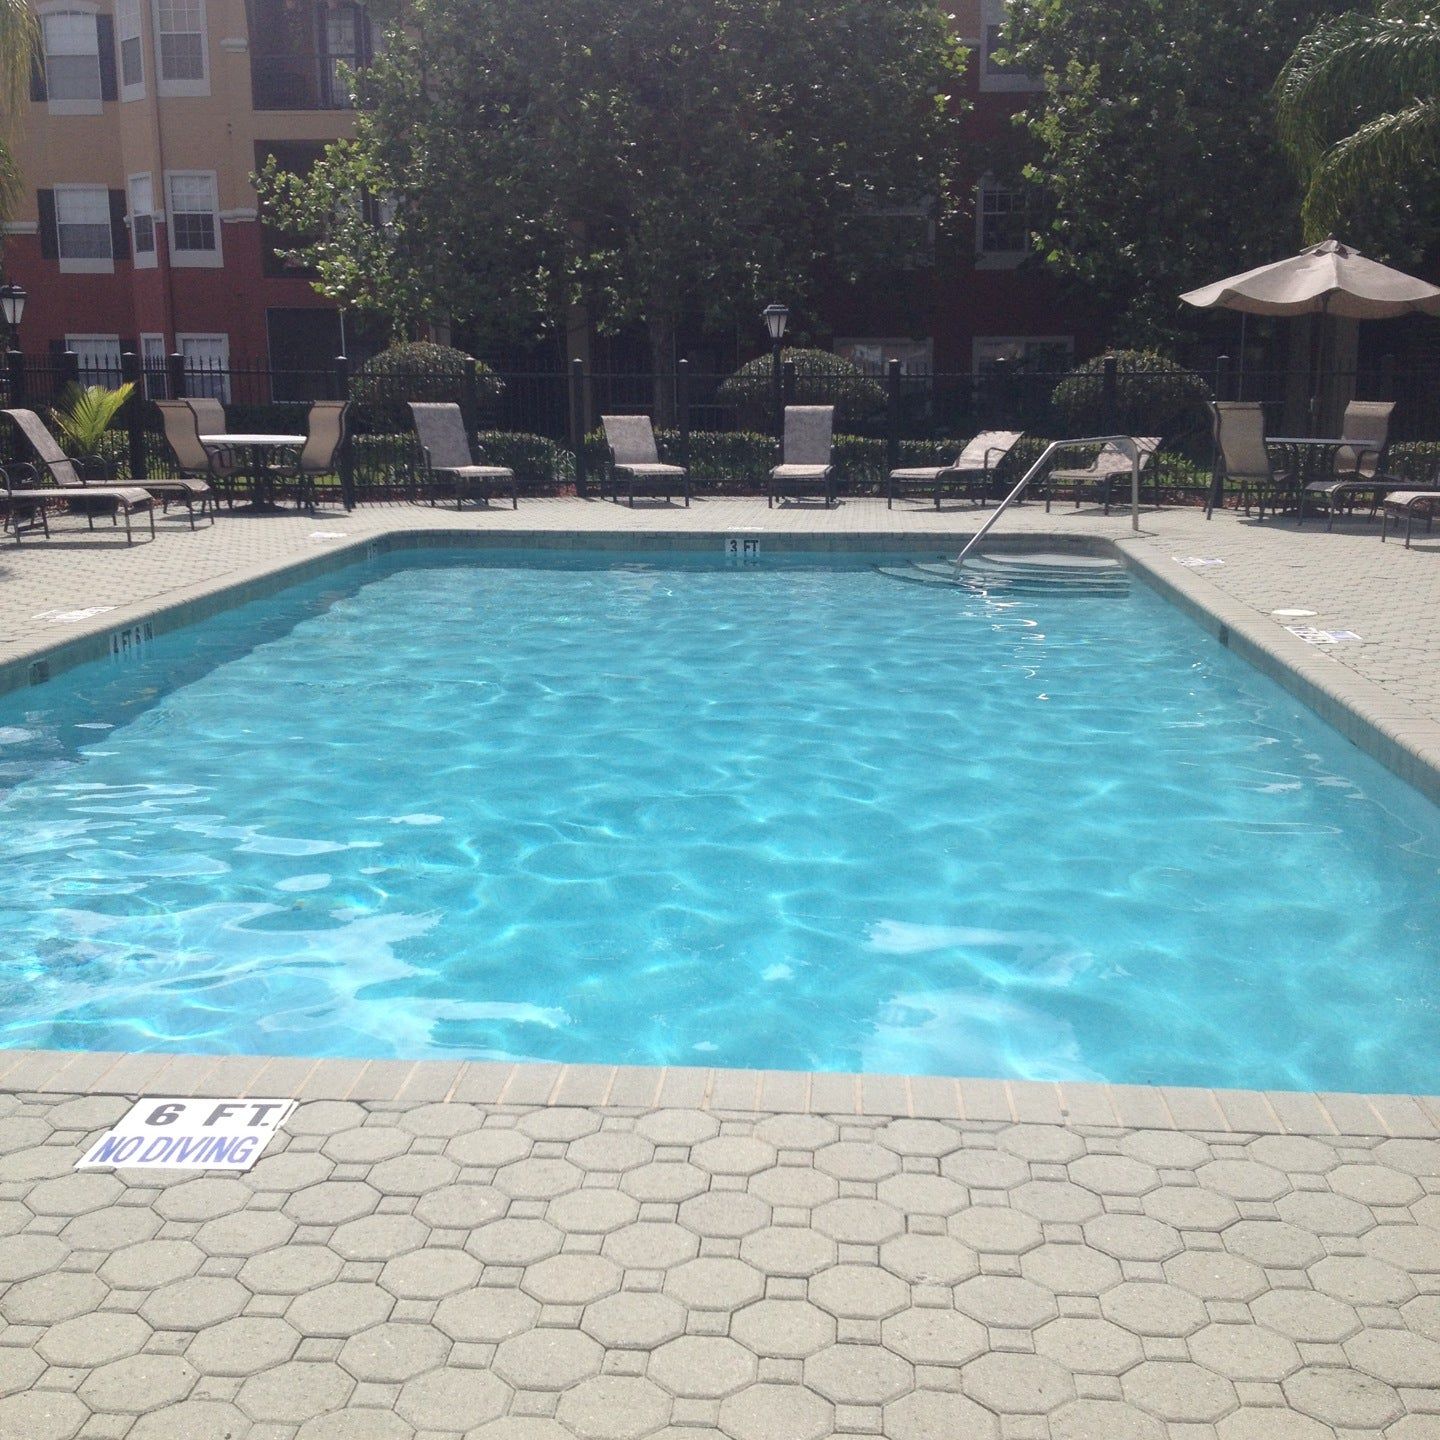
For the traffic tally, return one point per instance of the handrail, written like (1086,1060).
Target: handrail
(1124,443)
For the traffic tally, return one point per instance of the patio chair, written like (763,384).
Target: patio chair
(1100,478)
(197,463)
(1357,467)
(971,473)
(93,472)
(450,461)
(1412,504)
(324,435)
(635,459)
(28,493)
(1242,459)
(805,458)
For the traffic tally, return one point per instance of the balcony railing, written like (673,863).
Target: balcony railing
(300,82)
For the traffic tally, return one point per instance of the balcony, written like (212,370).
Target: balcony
(299,82)
(299,51)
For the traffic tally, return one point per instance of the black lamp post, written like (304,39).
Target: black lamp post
(12,310)
(776,317)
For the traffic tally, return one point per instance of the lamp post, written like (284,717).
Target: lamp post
(12,309)
(776,317)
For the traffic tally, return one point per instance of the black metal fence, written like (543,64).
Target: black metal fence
(544,423)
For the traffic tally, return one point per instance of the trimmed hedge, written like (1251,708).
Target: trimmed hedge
(1153,396)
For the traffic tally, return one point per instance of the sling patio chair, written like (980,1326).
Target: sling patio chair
(1357,467)
(806,466)
(1242,458)
(197,463)
(30,491)
(970,475)
(324,436)
(1100,479)
(635,460)
(449,461)
(94,473)
(1413,504)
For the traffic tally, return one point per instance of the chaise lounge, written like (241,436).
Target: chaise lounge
(450,462)
(971,474)
(635,459)
(805,458)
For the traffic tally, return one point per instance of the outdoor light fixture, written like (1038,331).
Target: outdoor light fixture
(12,308)
(775,317)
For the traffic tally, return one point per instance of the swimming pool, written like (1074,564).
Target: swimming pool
(664,810)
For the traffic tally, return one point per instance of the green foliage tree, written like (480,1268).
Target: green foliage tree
(821,378)
(648,159)
(17,46)
(1358,108)
(1155,158)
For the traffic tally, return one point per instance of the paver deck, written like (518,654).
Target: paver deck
(528,1253)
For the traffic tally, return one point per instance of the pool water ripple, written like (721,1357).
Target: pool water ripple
(791,816)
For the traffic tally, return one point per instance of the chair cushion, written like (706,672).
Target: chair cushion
(476,472)
(801,472)
(929,476)
(656,471)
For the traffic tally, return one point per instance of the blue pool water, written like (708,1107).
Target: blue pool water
(607,809)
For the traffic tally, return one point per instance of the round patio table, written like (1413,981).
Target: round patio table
(260,448)
(1312,456)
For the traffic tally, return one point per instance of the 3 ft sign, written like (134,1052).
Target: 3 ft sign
(165,1133)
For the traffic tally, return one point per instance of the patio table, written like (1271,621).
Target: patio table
(260,448)
(1312,456)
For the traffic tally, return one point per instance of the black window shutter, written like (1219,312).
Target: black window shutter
(37,75)
(49,239)
(105,38)
(119,230)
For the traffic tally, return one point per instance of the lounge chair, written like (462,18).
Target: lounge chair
(450,461)
(1412,504)
(805,458)
(27,493)
(1098,480)
(635,459)
(324,435)
(972,472)
(1357,467)
(1241,456)
(197,463)
(88,471)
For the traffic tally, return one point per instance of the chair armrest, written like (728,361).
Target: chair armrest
(22,474)
(101,469)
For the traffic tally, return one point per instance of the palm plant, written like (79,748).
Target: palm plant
(85,414)
(17,46)
(1358,106)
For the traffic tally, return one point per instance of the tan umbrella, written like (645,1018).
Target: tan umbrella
(1327,279)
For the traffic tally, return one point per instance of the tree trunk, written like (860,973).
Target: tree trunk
(661,326)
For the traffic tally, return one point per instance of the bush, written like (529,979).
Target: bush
(387,382)
(1154,396)
(1415,461)
(820,379)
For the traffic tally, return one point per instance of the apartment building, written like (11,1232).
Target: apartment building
(139,229)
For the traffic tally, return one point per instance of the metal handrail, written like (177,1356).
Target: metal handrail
(1124,443)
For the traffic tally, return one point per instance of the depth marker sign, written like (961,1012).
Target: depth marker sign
(164,1133)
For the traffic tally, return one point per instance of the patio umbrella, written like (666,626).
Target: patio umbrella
(1330,280)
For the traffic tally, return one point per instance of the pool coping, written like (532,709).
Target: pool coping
(1391,731)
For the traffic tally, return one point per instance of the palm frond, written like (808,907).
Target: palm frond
(1392,150)
(19,38)
(1352,67)
(84,414)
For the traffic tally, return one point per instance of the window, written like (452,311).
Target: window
(1003,222)
(132,62)
(994,75)
(142,220)
(153,365)
(340,47)
(207,365)
(72,61)
(194,218)
(99,357)
(180,47)
(82,228)
(1037,354)
(992,44)
(916,357)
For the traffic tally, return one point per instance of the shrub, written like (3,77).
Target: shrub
(820,379)
(387,382)
(1416,461)
(1154,396)
(85,415)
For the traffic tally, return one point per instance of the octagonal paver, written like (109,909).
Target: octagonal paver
(1375,1185)
(775,1412)
(1149,1307)
(489,1149)
(392,1352)
(859,1292)
(654,1245)
(1245,1352)
(714,1283)
(207,1198)
(665,1182)
(243,1346)
(460,1207)
(734,1155)
(245,1233)
(571,1279)
(341,1309)
(996,1230)
(291,1270)
(788,1250)
(1005,1300)
(1018,1384)
(448,1119)
(938,1415)
(1306,1315)
(514,1242)
(429,1274)
(1114,1175)
(1274,1244)
(1132,1237)
(634,1319)
(786,1329)
(592,1211)
(138,1383)
(1243,1179)
(927,1335)
(42,1415)
(538,1179)
(1104,1420)
(724,1214)
(613,1407)
(857,1160)
(1343,1397)
(90,1340)
(148,1265)
(858,1374)
(294,1393)
(929,1259)
(487,1315)
(548,1359)
(611,1151)
(452,1397)
(378,1237)
(412,1174)
(49,1299)
(332,1202)
(921,1137)
(1089,1345)
(1178,1391)
(704,1367)
(1396,1357)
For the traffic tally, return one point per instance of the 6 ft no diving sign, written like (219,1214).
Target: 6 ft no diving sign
(171,1133)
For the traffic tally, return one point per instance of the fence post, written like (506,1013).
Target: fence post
(892,416)
(787,391)
(69,369)
(176,365)
(347,443)
(134,413)
(577,424)
(16,366)
(1109,396)
(1222,377)
(470,396)
(682,409)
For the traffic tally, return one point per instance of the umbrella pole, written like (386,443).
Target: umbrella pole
(1240,370)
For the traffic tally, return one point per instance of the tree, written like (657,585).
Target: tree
(17,46)
(1358,108)
(1156,164)
(649,159)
